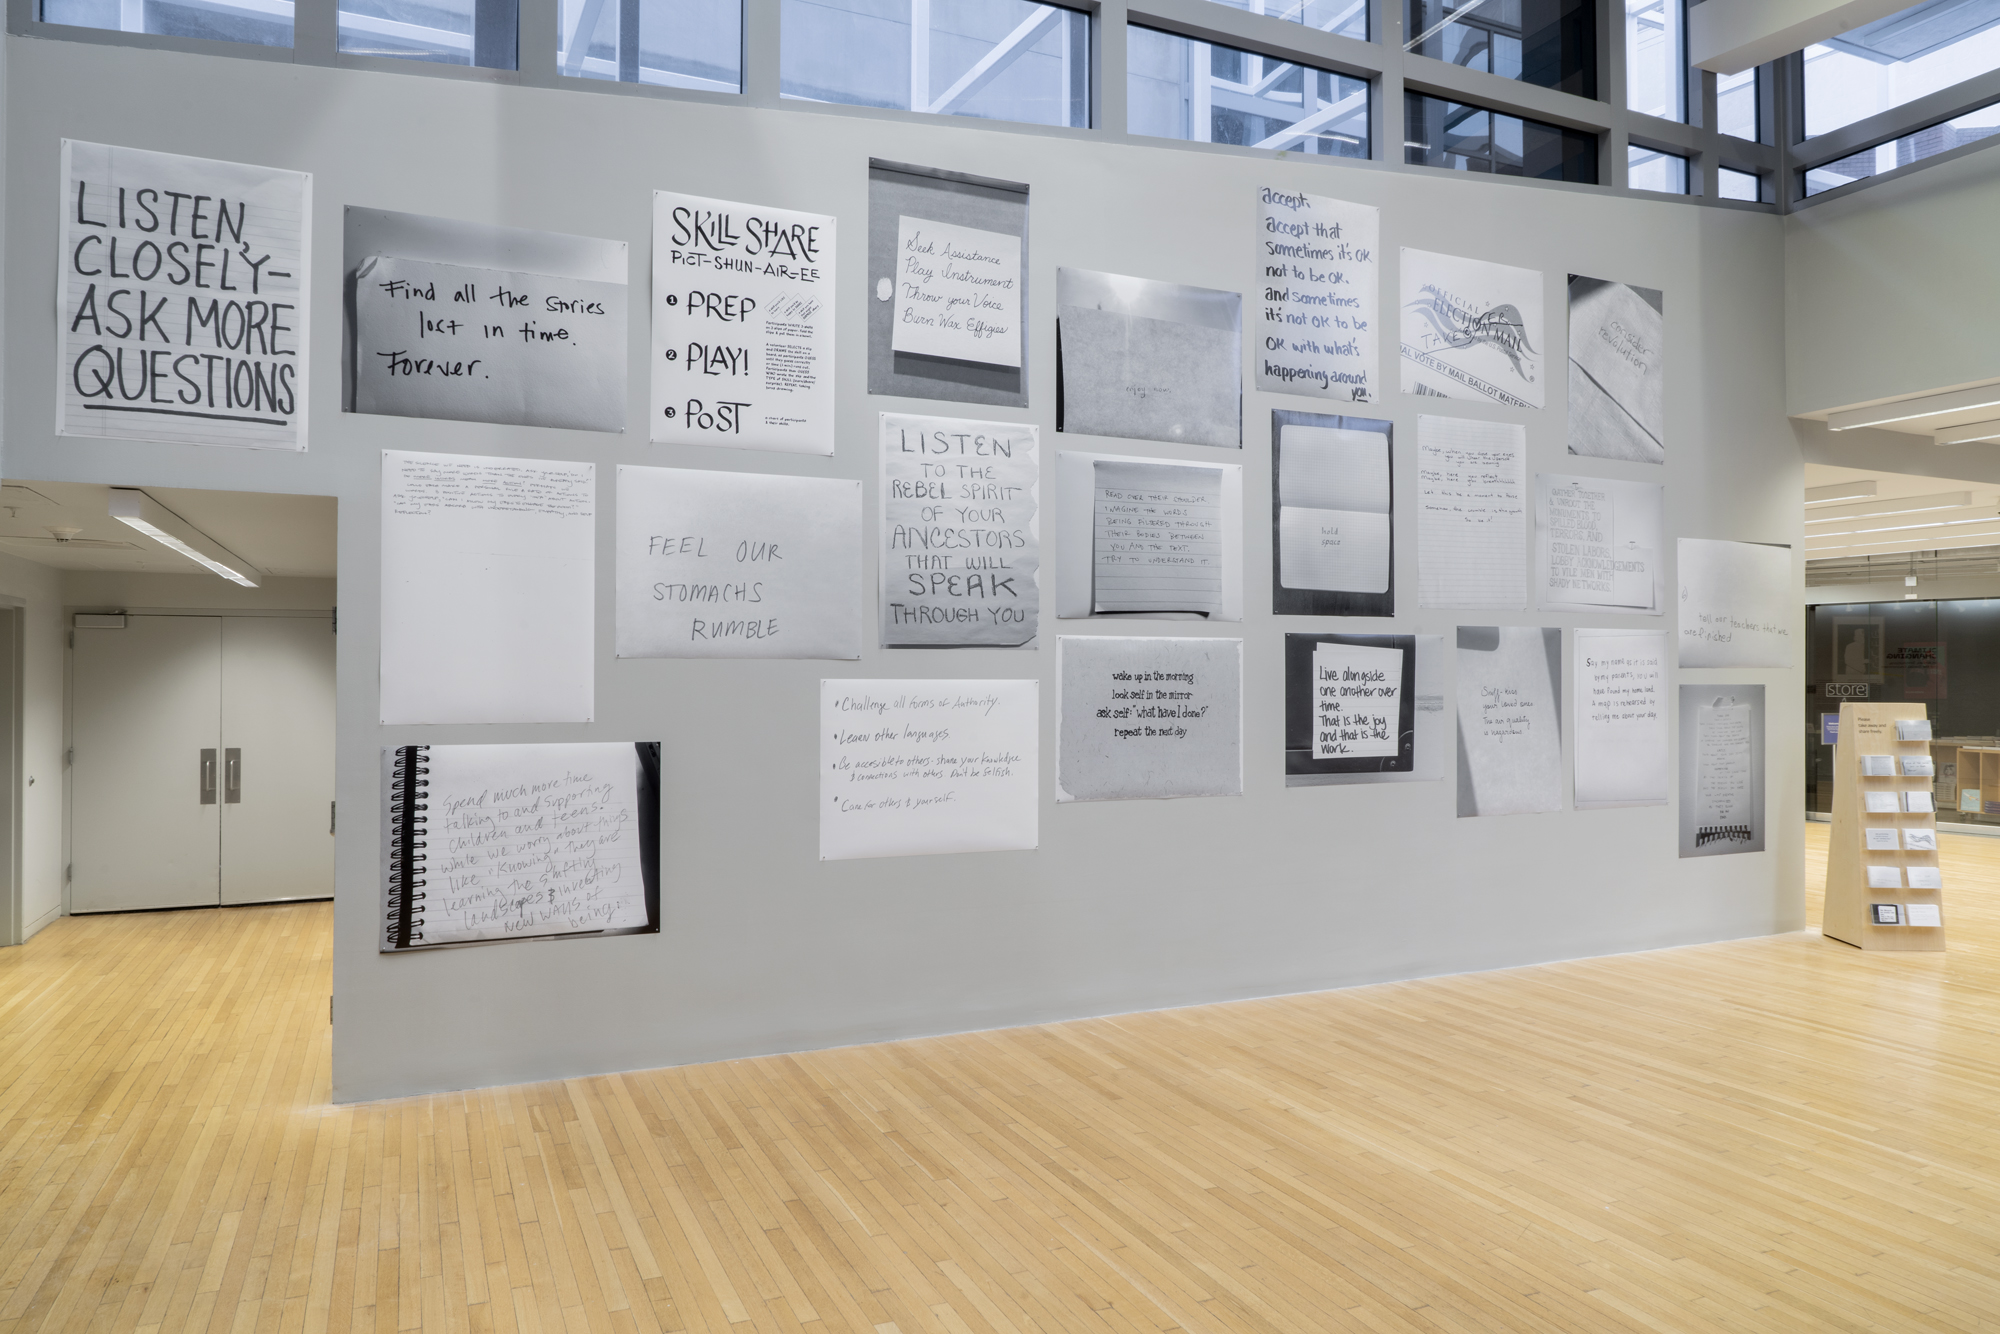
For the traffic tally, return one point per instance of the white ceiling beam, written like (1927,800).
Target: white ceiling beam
(1937,521)
(1943,500)
(1730,36)
(140,512)
(1984,536)
(1970,433)
(1820,495)
(1910,409)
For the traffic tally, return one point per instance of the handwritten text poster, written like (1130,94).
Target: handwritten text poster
(1621,718)
(958,292)
(1357,701)
(183,308)
(1736,604)
(742,325)
(961,537)
(1509,724)
(1318,274)
(1146,717)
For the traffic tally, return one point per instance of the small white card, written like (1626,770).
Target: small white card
(1923,914)
(1918,766)
(1878,766)
(1883,914)
(1918,840)
(1881,840)
(1885,877)
(1913,729)
(1918,803)
(958,292)
(1925,877)
(1881,803)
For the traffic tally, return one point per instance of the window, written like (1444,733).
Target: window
(1650,169)
(1744,185)
(1178,88)
(1737,105)
(1342,18)
(1898,59)
(1927,142)
(1548,42)
(1655,72)
(672,43)
(445,32)
(1453,135)
(258,22)
(995,59)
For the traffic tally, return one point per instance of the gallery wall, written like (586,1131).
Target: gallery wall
(1122,905)
(37,590)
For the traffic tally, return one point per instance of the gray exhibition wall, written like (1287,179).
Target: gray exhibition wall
(1125,905)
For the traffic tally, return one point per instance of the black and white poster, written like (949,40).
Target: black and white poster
(1472,329)
(466,321)
(1620,700)
(1319,268)
(183,304)
(1736,604)
(961,532)
(1509,720)
(1332,516)
(1722,770)
(1617,371)
(1150,538)
(1598,544)
(1145,360)
(1144,717)
(1350,704)
(743,307)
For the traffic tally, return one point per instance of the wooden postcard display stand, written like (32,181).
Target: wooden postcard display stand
(1851,904)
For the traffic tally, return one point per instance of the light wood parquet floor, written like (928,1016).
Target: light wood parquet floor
(1766,1135)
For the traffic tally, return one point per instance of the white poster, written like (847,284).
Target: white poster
(1333,509)
(1737,605)
(489,592)
(1722,770)
(1472,514)
(182,311)
(961,532)
(486,345)
(1147,537)
(1357,695)
(1146,360)
(958,292)
(1598,544)
(1509,720)
(737,565)
(913,767)
(1617,371)
(742,325)
(1149,718)
(1318,267)
(1472,329)
(1620,698)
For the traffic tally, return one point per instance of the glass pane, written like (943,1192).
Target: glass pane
(1736,105)
(258,22)
(1178,88)
(1655,77)
(678,43)
(1733,184)
(995,59)
(1342,18)
(440,31)
(1548,42)
(1899,59)
(1928,142)
(1459,137)
(1649,169)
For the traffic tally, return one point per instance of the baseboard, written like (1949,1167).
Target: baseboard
(28,931)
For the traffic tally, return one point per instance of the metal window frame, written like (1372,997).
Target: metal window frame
(1803,155)
(1382,62)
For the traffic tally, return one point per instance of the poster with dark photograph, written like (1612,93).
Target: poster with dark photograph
(1350,704)
(1431,734)
(1145,360)
(1722,770)
(1149,718)
(1509,720)
(1617,371)
(1332,516)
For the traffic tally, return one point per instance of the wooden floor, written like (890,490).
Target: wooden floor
(1777,1134)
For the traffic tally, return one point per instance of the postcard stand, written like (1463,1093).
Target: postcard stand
(1852,906)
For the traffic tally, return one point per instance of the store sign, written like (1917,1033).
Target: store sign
(1845,689)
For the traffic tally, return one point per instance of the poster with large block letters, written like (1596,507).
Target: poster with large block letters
(182,304)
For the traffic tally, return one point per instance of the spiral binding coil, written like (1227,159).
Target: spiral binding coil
(408,789)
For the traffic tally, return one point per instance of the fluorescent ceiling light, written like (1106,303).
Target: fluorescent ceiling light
(137,510)
(1941,500)
(1909,409)
(1970,433)
(1820,495)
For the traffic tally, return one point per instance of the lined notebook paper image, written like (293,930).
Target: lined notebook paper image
(1333,509)
(1156,538)
(509,842)
(1472,514)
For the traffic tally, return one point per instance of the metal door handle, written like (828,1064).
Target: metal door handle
(232,774)
(208,777)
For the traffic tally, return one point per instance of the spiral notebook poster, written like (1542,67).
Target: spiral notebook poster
(514,842)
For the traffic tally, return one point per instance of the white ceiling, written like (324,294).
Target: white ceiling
(1942,529)
(286,536)
(1926,425)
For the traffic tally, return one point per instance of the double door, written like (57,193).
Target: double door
(202,771)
